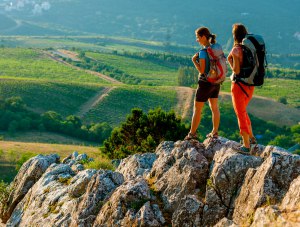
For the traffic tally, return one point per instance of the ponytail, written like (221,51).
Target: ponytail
(212,38)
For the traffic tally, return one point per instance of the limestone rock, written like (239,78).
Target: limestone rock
(179,172)
(287,214)
(166,160)
(228,172)
(213,145)
(225,222)
(273,216)
(27,176)
(149,215)
(185,183)
(188,213)
(291,200)
(125,206)
(98,190)
(136,165)
(267,184)
(47,201)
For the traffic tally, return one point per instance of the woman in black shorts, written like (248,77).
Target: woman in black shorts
(205,91)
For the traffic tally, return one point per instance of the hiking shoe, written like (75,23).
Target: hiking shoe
(243,150)
(213,135)
(191,136)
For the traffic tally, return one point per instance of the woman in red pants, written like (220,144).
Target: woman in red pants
(241,93)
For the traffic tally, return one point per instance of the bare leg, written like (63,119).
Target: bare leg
(198,106)
(213,104)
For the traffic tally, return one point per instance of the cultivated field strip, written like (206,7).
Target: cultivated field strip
(33,64)
(94,101)
(115,107)
(41,96)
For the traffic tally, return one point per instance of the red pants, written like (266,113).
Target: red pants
(240,102)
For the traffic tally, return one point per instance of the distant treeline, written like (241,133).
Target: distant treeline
(188,76)
(171,60)
(91,64)
(15,117)
(163,58)
(283,73)
(291,61)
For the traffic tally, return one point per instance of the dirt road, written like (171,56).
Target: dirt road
(92,102)
(184,105)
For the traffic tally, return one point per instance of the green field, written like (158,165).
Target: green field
(275,88)
(42,96)
(45,84)
(147,71)
(29,63)
(115,107)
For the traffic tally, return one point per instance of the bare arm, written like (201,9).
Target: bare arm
(200,66)
(234,63)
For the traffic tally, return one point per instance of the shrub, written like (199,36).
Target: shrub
(100,163)
(24,158)
(4,193)
(141,133)
(282,100)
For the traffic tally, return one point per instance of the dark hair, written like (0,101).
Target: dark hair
(239,31)
(203,31)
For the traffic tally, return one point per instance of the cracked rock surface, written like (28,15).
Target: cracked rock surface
(184,183)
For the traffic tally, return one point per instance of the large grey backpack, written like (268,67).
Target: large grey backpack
(252,71)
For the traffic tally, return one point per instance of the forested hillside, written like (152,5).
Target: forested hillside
(167,21)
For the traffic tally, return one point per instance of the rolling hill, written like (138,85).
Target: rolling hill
(166,21)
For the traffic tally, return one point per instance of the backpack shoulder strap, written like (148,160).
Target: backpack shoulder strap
(238,83)
(254,41)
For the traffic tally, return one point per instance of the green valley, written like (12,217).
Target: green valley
(85,92)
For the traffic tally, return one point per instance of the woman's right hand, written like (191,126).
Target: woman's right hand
(195,58)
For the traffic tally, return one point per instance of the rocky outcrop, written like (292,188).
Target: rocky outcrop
(285,214)
(184,183)
(228,171)
(136,165)
(28,175)
(130,205)
(266,184)
(179,172)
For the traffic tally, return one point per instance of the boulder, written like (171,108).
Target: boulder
(178,172)
(129,206)
(267,184)
(285,214)
(226,178)
(185,183)
(97,190)
(28,175)
(188,213)
(136,165)
(46,199)
(225,222)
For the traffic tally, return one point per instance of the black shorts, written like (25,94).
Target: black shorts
(206,90)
